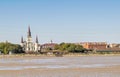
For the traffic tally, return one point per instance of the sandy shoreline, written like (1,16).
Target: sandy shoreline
(67,55)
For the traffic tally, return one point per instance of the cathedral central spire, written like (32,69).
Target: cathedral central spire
(29,32)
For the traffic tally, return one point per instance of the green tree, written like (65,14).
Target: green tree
(5,47)
(69,47)
(57,47)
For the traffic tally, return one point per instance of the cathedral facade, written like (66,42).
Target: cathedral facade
(29,46)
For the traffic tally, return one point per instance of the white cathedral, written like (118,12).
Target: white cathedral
(29,46)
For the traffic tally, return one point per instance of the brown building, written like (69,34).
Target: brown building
(48,45)
(94,45)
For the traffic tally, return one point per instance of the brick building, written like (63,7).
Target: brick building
(48,45)
(94,45)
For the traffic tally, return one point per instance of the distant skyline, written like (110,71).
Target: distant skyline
(60,20)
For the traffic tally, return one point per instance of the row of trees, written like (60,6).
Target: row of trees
(69,47)
(6,47)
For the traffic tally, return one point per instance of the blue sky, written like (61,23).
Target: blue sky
(60,20)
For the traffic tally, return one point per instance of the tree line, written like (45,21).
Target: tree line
(70,47)
(6,47)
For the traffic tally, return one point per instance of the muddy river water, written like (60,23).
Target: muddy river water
(83,66)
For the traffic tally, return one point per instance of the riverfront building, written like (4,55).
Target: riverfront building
(94,45)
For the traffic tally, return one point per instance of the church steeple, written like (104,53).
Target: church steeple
(51,41)
(29,32)
(22,39)
(36,39)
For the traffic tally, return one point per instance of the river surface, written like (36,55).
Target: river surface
(57,63)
